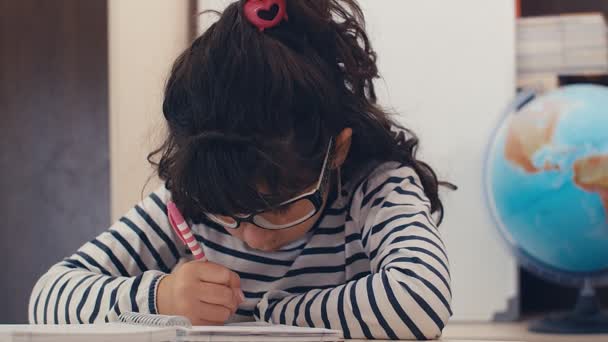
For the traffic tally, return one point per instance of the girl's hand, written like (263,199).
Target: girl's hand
(204,292)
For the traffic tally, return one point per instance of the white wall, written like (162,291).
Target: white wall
(145,37)
(448,68)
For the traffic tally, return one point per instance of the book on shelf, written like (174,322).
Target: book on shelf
(562,44)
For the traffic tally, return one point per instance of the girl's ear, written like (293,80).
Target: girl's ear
(343,141)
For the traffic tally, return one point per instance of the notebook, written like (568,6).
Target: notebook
(136,327)
(113,332)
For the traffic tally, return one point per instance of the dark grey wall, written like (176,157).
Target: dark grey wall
(54,180)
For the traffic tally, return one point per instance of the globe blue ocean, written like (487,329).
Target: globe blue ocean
(547,181)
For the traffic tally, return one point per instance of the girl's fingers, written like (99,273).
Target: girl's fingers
(217,294)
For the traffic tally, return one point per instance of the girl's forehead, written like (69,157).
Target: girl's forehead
(284,194)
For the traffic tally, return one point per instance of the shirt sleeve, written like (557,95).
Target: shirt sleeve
(407,295)
(117,271)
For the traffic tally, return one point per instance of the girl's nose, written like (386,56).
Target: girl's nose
(255,236)
(250,229)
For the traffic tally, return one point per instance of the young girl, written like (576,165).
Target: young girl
(305,196)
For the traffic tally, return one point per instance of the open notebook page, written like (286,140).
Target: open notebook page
(253,328)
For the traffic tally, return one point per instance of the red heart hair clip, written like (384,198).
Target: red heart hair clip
(265,13)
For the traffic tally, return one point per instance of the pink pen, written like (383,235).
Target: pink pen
(183,231)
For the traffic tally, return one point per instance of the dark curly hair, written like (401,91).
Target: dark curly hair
(246,108)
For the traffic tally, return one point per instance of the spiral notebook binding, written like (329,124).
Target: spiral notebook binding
(137,318)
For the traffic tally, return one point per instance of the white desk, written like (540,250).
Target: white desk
(508,332)
(505,332)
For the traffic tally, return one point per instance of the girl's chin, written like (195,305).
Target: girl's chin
(264,247)
(268,249)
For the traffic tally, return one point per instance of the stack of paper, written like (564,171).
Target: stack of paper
(564,44)
(114,332)
(118,332)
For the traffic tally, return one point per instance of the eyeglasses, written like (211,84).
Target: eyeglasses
(289,213)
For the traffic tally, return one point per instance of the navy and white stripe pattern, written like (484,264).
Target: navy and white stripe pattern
(374,266)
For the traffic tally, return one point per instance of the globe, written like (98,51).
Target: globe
(547,183)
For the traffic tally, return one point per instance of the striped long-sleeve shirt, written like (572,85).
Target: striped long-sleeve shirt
(374,266)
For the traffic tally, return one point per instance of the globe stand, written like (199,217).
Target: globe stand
(587,317)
